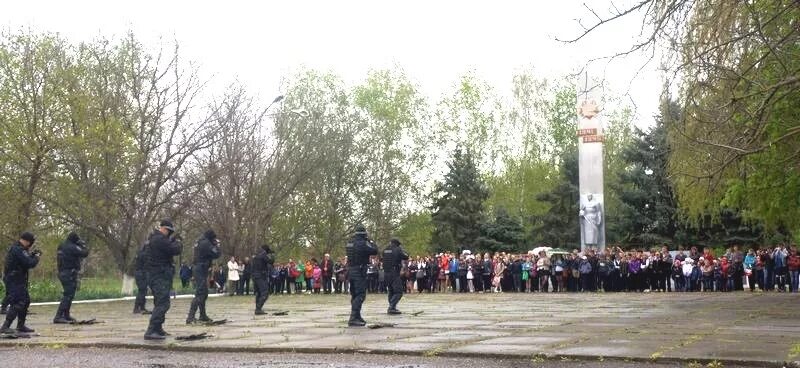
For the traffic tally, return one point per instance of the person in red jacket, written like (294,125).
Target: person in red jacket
(726,277)
(291,276)
(793,262)
(708,256)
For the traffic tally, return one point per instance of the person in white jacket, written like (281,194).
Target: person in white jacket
(233,276)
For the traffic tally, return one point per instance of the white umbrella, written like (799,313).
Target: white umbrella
(539,249)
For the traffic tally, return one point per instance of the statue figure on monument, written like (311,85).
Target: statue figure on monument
(591,214)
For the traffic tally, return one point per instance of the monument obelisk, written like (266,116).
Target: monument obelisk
(590,174)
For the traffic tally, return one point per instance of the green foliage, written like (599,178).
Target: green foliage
(726,228)
(516,189)
(736,145)
(618,135)
(416,232)
(468,118)
(648,206)
(559,227)
(541,123)
(396,147)
(458,204)
(504,234)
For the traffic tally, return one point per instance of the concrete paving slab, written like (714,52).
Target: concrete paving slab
(757,328)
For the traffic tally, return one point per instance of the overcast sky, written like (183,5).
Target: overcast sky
(435,41)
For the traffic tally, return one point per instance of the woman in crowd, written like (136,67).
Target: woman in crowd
(793,264)
(634,272)
(233,276)
(749,269)
(221,279)
(499,269)
(411,275)
(316,275)
(525,276)
(422,268)
(462,274)
(707,271)
(441,284)
(543,271)
(486,274)
(300,279)
(433,274)
(557,273)
(291,277)
(470,275)
(309,275)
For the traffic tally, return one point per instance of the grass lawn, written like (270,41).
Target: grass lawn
(90,288)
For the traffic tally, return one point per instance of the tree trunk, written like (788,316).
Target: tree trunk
(128,283)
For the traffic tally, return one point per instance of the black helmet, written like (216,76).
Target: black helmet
(28,236)
(167,224)
(73,237)
(394,243)
(210,234)
(360,229)
(265,247)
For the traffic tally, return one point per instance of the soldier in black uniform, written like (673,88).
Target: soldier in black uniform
(70,254)
(393,257)
(18,261)
(161,248)
(262,268)
(359,249)
(206,250)
(140,275)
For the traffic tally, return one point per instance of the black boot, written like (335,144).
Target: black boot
(6,328)
(393,310)
(260,312)
(356,321)
(152,334)
(137,309)
(21,318)
(60,318)
(68,316)
(203,315)
(24,329)
(10,317)
(192,312)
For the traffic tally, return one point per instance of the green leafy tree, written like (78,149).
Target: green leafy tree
(559,226)
(35,71)
(416,232)
(469,117)
(458,204)
(395,145)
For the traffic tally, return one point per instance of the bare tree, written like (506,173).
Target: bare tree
(135,129)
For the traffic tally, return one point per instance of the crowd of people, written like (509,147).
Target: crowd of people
(610,270)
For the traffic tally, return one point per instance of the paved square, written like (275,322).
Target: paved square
(731,327)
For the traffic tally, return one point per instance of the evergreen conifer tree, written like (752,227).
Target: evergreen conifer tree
(457,210)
